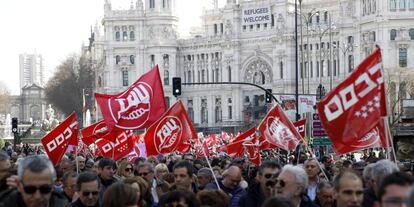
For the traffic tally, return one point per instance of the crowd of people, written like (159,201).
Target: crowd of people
(28,178)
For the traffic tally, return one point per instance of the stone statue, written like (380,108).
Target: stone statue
(50,122)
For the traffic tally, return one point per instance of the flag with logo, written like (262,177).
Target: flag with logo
(351,113)
(139,149)
(173,131)
(121,147)
(56,141)
(264,144)
(252,148)
(235,148)
(278,130)
(137,107)
(93,132)
(300,127)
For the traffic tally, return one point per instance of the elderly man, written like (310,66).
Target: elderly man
(324,196)
(292,184)
(229,184)
(260,191)
(146,170)
(35,185)
(69,185)
(204,177)
(81,163)
(312,169)
(88,190)
(348,190)
(395,190)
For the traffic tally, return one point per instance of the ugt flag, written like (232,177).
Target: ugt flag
(137,107)
(172,132)
(351,113)
(56,141)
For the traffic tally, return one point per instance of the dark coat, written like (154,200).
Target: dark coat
(254,196)
(78,203)
(13,198)
(234,194)
(307,202)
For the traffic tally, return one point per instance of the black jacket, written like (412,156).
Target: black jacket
(254,196)
(78,203)
(307,202)
(13,198)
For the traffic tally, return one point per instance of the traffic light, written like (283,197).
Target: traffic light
(14,124)
(269,96)
(176,86)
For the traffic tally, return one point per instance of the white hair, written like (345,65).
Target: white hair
(381,169)
(367,172)
(35,163)
(299,173)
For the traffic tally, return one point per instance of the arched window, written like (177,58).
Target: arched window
(117,36)
(411,32)
(132,35)
(132,59)
(393,34)
(117,59)
(124,36)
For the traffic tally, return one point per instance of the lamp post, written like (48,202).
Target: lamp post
(345,48)
(296,62)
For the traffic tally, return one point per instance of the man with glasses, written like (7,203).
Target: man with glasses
(395,190)
(292,184)
(69,185)
(36,175)
(146,170)
(259,191)
(88,190)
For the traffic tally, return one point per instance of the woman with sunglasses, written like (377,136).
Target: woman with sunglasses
(125,170)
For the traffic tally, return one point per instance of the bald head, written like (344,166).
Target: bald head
(232,177)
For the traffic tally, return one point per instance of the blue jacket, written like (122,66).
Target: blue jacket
(234,194)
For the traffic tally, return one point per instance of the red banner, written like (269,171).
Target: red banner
(124,143)
(353,109)
(278,130)
(300,127)
(137,107)
(252,148)
(173,131)
(93,132)
(56,141)
(235,148)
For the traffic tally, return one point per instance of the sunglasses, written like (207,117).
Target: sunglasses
(128,169)
(44,189)
(94,193)
(143,174)
(268,176)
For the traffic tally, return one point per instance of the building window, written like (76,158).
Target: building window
(325,17)
(215,29)
(411,33)
(152,4)
(334,67)
(221,28)
(229,71)
(167,101)
(230,108)
(132,59)
(374,38)
(393,34)
(217,75)
(402,4)
(403,57)
(132,36)
(317,19)
(350,63)
(190,109)
(166,77)
(393,4)
(204,112)
(317,68)
(152,57)
(273,20)
(164,3)
(281,69)
(117,36)
(125,78)
(117,59)
(411,4)
(124,36)
(203,76)
(311,69)
(189,76)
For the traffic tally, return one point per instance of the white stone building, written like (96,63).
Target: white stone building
(31,70)
(250,41)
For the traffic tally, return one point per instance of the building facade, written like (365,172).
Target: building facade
(31,70)
(251,41)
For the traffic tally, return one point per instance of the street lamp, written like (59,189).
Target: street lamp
(345,48)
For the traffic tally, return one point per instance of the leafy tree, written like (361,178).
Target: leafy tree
(64,90)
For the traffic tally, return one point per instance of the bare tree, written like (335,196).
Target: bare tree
(4,98)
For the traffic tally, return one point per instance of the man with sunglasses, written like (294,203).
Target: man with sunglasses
(292,184)
(263,188)
(394,190)
(88,190)
(147,171)
(36,175)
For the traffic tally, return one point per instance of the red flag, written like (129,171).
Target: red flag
(264,144)
(138,149)
(93,132)
(235,148)
(56,141)
(300,127)
(355,107)
(172,132)
(137,107)
(278,130)
(123,144)
(252,148)
(212,140)
(199,150)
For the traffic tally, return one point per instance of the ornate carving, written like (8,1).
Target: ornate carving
(258,72)
(280,24)
(228,30)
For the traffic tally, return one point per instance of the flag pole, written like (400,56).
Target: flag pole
(389,140)
(209,165)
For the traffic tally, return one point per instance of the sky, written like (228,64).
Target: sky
(58,28)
